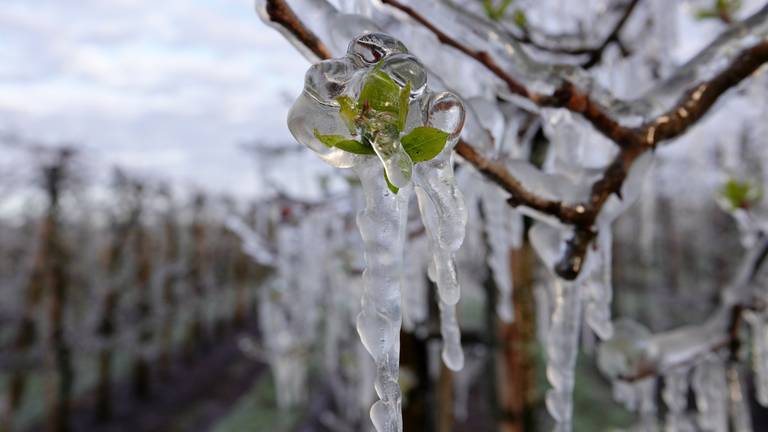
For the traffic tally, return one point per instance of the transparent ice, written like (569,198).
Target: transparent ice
(382,223)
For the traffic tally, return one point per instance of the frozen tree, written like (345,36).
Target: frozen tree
(398,87)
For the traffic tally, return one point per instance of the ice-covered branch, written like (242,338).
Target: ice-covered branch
(592,105)
(633,356)
(568,95)
(291,26)
(280,13)
(565,43)
(521,196)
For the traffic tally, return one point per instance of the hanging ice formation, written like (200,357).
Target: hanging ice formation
(371,111)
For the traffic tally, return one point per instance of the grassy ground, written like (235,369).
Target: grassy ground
(257,411)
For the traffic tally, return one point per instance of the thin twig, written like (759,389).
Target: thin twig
(285,17)
(633,142)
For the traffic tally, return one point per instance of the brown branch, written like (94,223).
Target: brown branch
(595,53)
(491,170)
(613,36)
(498,174)
(481,56)
(567,96)
(689,110)
(280,13)
(634,142)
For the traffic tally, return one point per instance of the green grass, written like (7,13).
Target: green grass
(257,411)
(594,409)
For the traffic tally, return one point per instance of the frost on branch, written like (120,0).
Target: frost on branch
(371,110)
(708,384)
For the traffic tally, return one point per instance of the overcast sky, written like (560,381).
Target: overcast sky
(165,87)
(169,88)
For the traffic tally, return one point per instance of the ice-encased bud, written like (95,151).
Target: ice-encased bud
(404,68)
(628,353)
(362,97)
(370,48)
(384,138)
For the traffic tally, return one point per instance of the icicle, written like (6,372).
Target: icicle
(708,384)
(444,275)
(600,287)
(444,215)
(759,326)
(382,226)
(497,219)
(741,417)
(639,397)
(543,312)
(675,395)
(562,350)
(462,382)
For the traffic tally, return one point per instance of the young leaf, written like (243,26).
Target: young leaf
(394,189)
(496,12)
(356,147)
(520,19)
(405,95)
(740,194)
(424,143)
(348,112)
(381,92)
(343,143)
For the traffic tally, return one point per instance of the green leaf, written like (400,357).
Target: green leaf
(405,96)
(343,143)
(728,6)
(703,14)
(391,187)
(740,194)
(348,112)
(424,143)
(502,9)
(496,12)
(720,9)
(381,92)
(520,19)
(356,147)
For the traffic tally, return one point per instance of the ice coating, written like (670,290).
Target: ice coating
(500,231)
(382,226)
(758,323)
(640,397)
(627,353)
(741,415)
(599,288)
(708,383)
(675,395)
(371,110)
(562,349)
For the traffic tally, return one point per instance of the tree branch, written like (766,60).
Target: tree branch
(634,142)
(715,341)
(498,174)
(595,53)
(281,13)
(285,17)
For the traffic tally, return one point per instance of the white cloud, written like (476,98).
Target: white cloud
(167,86)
